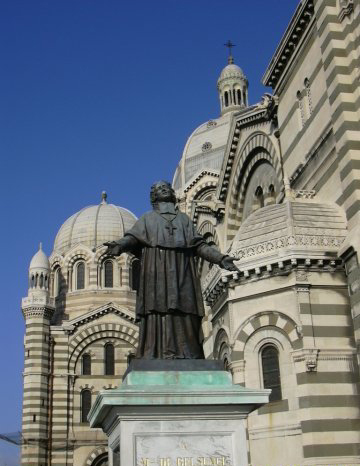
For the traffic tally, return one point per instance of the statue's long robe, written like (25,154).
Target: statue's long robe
(169,304)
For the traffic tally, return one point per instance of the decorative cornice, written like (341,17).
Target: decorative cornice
(291,39)
(198,177)
(33,311)
(310,241)
(72,325)
(309,356)
(304,194)
(216,209)
(38,301)
(218,281)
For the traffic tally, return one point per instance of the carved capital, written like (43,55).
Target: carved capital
(309,357)
(237,366)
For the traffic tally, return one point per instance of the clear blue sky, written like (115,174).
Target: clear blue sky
(101,95)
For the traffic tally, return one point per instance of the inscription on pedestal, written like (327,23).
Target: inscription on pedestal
(183,450)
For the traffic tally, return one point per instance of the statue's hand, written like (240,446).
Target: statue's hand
(113,248)
(227,263)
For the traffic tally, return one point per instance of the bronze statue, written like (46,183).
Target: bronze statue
(169,305)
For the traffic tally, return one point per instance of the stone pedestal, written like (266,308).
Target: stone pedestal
(176,418)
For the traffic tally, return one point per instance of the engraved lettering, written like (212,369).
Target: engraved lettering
(144,462)
(184,461)
(165,462)
(211,461)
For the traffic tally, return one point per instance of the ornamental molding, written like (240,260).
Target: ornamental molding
(109,386)
(289,242)
(98,451)
(218,281)
(86,386)
(72,325)
(310,357)
(198,177)
(346,8)
(211,207)
(44,312)
(206,147)
(37,301)
(295,32)
(237,366)
(246,149)
(304,194)
(302,276)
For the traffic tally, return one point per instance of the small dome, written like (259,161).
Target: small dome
(40,260)
(231,71)
(295,226)
(93,226)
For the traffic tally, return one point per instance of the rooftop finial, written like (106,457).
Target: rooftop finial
(288,190)
(103,197)
(40,246)
(230,45)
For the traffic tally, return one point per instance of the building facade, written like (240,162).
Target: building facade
(285,201)
(276,184)
(80,332)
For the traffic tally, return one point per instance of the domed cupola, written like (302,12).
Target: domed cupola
(233,88)
(39,273)
(295,228)
(94,225)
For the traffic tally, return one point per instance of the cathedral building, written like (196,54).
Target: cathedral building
(276,184)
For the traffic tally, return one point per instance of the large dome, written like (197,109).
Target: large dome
(93,226)
(204,150)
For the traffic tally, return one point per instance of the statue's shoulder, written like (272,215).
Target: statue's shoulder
(149,216)
(183,216)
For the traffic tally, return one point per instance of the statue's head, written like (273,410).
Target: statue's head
(162,191)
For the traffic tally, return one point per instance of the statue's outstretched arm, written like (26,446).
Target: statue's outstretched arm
(213,255)
(126,244)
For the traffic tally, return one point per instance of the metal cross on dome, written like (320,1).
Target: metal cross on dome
(230,45)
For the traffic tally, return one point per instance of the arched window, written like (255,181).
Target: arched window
(259,195)
(86,364)
(41,281)
(239,96)
(270,195)
(85,404)
(271,371)
(234,97)
(109,359)
(80,276)
(226,99)
(135,274)
(57,281)
(109,274)
(32,281)
(244,97)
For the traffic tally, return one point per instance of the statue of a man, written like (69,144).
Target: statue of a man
(169,305)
